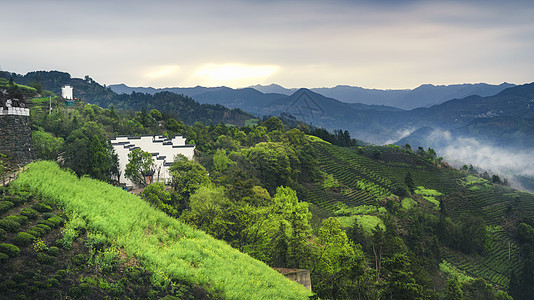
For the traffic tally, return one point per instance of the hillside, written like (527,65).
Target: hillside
(90,91)
(372,221)
(170,250)
(47,254)
(366,176)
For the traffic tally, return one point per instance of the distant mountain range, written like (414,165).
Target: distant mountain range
(480,119)
(423,96)
(471,115)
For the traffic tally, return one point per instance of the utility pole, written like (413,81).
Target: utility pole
(50,104)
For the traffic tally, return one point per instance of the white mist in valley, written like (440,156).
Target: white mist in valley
(398,135)
(495,160)
(505,162)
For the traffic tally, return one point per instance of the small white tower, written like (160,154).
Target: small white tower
(66,92)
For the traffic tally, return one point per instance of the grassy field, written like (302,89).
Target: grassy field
(168,248)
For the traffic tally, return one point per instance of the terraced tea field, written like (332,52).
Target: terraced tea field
(366,180)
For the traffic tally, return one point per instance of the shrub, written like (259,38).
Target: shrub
(36,231)
(79,260)
(15,200)
(115,290)
(7,285)
(47,223)
(32,289)
(45,227)
(48,215)
(69,235)
(86,289)
(54,251)
(30,213)
(45,259)
(39,245)
(40,207)
(96,241)
(40,284)
(52,282)
(75,292)
(3,234)
(9,249)
(18,278)
(56,221)
(9,225)
(18,218)
(26,196)
(5,206)
(134,274)
(23,239)
(3,257)
(60,274)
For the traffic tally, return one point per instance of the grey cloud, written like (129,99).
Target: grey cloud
(388,44)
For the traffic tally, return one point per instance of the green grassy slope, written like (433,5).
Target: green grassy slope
(46,255)
(367,175)
(164,245)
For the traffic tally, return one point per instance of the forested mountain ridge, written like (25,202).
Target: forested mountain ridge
(469,116)
(92,92)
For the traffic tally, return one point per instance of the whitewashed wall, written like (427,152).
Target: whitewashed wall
(66,92)
(163,151)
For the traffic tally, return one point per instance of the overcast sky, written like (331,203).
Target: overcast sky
(383,44)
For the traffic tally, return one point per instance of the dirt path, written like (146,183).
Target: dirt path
(7,178)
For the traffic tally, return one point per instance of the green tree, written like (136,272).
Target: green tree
(208,208)
(258,135)
(46,146)
(275,164)
(453,289)
(400,282)
(89,152)
(140,164)
(174,126)
(408,181)
(155,114)
(156,194)
(187,176)
(272,124)
(294,228)
(339,267)
(221,160)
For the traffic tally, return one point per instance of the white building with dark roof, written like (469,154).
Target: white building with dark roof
(163,151)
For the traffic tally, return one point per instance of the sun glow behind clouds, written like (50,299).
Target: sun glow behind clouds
(234,75)
(162,71)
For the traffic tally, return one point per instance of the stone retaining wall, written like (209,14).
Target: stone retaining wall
(301,276)
(16,134)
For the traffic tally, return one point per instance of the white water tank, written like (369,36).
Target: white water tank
(66,92)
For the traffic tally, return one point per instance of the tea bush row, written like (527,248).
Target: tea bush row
(9,249)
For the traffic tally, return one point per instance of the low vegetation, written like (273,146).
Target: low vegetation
(168,248)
